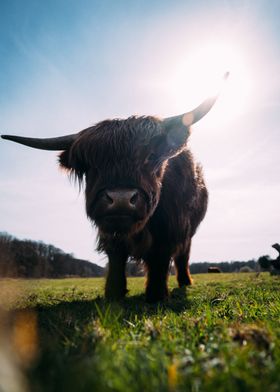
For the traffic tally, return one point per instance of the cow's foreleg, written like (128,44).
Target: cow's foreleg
(115,287)
(157,276)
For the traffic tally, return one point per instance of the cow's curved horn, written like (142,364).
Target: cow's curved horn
(54,143)
(189,118)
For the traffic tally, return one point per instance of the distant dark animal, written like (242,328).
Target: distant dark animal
(143,190)
(276,247)
(276,262)
(214,270)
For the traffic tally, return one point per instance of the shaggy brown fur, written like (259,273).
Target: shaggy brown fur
(138,155)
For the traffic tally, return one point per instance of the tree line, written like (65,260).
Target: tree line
(35,259)
(135,268)
(225,266)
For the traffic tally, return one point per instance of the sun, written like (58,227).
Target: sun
(199,74)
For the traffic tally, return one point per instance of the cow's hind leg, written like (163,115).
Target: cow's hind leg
(182,268)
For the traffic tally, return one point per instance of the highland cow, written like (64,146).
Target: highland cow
(214,270)
(143,191)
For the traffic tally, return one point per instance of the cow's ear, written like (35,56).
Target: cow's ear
(169,143)
(64,160)
(73,163)
(176,136)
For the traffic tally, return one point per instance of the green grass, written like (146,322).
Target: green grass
(222,334)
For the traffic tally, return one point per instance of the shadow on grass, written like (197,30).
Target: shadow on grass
(73,338)
(67,315)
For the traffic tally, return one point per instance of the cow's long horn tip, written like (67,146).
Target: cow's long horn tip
(226,75)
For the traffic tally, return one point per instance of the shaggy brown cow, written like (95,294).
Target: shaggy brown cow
(215,270)
(143,191)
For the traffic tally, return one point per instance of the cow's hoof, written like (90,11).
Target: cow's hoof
(184,281)
(155,297)
(114,295)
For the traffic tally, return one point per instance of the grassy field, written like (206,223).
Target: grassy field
(222,334)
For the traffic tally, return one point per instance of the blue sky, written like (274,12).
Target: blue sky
(68,64)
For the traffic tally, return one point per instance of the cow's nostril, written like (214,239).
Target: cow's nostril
(134,198)
(108,199)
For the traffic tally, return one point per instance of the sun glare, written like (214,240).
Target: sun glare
(200,74)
